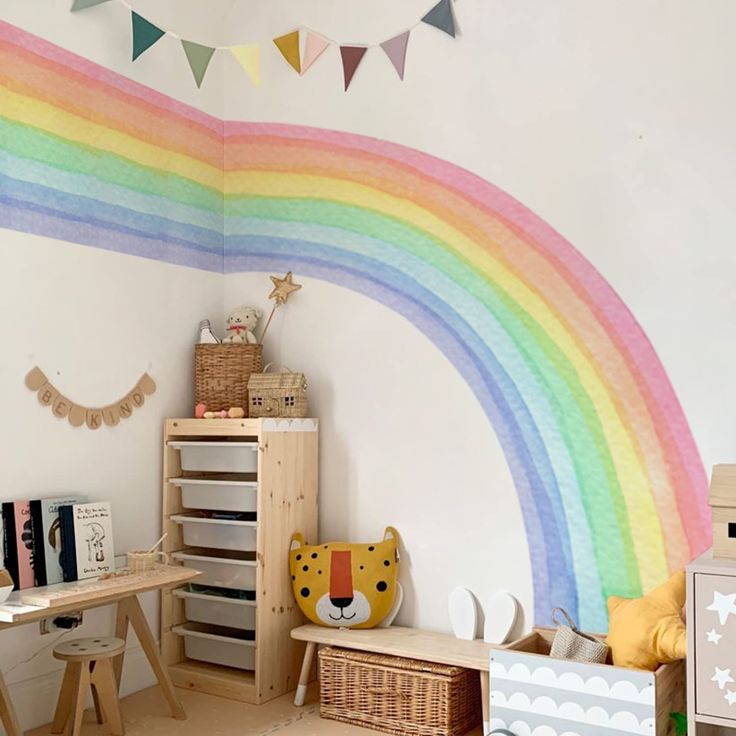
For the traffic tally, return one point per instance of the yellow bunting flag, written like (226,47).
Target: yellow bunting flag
(288,45)
(249,57)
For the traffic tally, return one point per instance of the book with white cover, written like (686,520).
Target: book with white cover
(86,530)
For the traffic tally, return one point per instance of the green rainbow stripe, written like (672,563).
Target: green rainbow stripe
(610,482)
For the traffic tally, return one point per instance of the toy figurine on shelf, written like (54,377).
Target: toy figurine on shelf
(235,412)
(241,325)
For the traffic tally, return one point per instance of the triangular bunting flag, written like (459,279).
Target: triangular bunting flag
(288,45)
(313,48)
(441,17)
(83,4)
(145,34)
(351,58)
(395,49)
(249,57)
(199,58)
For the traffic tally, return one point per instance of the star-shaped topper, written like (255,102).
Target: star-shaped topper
(723,605)
(282,288)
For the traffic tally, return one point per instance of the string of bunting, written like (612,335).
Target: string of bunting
(300,56)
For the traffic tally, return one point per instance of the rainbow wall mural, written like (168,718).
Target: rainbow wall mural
(610,482)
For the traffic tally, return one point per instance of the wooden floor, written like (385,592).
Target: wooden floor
(145,714)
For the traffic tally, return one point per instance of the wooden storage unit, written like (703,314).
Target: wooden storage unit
(627,701)
(273,463)
(711,632)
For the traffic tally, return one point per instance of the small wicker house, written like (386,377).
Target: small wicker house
(722,500)
(277,394)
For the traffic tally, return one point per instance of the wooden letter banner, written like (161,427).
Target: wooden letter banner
(76,415)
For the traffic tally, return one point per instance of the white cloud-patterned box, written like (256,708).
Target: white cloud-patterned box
(534,695)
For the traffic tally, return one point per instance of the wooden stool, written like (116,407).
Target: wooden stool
(88,665)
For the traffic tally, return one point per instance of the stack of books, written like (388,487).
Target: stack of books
(52,540)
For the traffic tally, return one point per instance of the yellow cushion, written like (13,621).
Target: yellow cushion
(345,585)
(645,632)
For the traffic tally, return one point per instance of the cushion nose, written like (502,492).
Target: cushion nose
(341,602)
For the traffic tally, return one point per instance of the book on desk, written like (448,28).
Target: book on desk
(47,541)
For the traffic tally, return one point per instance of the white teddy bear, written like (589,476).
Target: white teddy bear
(241,323)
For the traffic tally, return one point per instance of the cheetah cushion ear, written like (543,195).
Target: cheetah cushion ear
(297,541)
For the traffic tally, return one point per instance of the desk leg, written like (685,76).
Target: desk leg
(301,690)
(121,632)
(485,678)
(137,618)
(7,711)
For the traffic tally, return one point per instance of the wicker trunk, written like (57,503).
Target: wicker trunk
(221,374)
(398,695)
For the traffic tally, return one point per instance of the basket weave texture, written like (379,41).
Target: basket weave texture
(398,695)
(277,394)
(221,374)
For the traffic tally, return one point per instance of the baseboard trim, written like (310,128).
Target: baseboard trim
(35,698)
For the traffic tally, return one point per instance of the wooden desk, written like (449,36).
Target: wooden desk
(399,641)
(84,595)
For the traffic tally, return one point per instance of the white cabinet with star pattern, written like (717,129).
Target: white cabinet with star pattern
(711,663)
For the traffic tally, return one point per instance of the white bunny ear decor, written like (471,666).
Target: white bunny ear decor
(463,609)
(501,612)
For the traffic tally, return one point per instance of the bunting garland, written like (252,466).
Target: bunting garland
(300,48)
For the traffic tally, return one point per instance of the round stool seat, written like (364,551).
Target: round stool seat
(89,648)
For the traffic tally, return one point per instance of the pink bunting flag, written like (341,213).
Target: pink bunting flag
(351,58)
(395,49)
(314,46)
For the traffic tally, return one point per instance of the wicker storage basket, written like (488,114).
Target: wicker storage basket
(221,374)
(277,394)
(398,695)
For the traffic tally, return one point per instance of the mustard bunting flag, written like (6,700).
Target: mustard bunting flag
(145,34)
(249,57)
(84,4)
(199,58)
(288,45)
(441,17)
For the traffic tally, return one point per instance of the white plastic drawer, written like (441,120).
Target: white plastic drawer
(219,570)
(217,495)
(218,533)
(219,610)
(217,457)
(210,645)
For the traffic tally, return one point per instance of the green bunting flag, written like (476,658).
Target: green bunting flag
(199,58)
(83,4)
(145,34)
(441,17)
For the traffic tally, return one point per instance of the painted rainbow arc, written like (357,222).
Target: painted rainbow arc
(610,482)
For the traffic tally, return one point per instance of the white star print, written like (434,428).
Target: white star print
(723,605)
(722,677)
(730,696)
(713,636)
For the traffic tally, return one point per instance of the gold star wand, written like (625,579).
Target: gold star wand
(281,290)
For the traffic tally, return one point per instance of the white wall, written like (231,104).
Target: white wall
(611,120)
(93,321)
